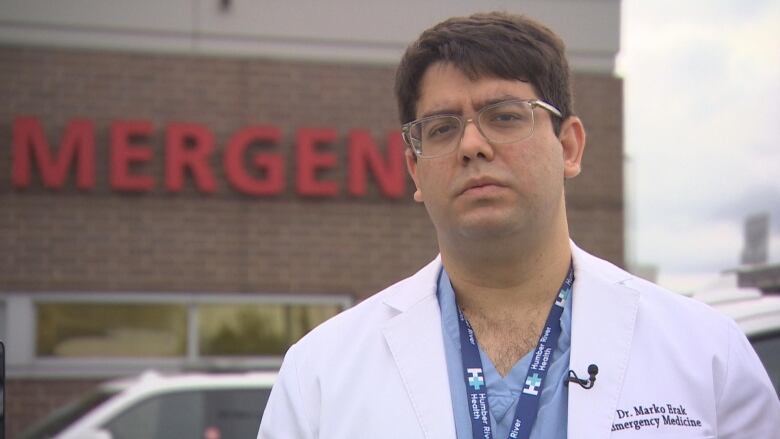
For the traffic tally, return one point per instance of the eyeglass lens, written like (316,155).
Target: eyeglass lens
(501,123)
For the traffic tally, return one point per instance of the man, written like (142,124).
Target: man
(487,340)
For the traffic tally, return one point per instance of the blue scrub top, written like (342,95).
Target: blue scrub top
(503,393)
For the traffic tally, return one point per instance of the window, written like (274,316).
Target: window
(161,417)
(767,347)
(92,334)
(234,413)
(189,414)
(257,329)
(111,330)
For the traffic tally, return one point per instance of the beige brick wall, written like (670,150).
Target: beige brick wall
(227,242)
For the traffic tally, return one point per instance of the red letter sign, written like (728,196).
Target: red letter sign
(180,156)
(123,154)
(272,164)
(29,140)
(389,172)
(310,161)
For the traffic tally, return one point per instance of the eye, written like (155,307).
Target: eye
(438,129)
(506,117)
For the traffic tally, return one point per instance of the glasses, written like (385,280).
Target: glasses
(504,122)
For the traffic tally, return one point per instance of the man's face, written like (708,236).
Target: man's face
(484,190)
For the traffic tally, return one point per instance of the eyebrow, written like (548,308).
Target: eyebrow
(446,111)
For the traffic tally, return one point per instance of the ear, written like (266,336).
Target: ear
(572,140)
(411,166)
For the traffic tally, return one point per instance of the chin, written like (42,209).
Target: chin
(491,226)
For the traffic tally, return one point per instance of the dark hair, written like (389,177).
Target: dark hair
(492,44)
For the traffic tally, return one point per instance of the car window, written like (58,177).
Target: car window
(767,347)
(172,415)
(202,414)
(235,414)
(58,420)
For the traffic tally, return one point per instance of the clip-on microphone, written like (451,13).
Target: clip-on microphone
(585,383)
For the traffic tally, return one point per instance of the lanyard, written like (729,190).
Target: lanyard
(528,405)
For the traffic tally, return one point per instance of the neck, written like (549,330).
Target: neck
(511,276)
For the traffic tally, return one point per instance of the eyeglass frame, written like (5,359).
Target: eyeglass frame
(406,128)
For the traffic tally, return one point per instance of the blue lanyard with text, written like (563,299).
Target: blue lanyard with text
(528,405)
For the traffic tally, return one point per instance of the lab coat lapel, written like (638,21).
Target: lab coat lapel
(604,314)
(415,340)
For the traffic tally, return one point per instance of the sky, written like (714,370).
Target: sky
(702,132)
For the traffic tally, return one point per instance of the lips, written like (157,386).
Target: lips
(478,183)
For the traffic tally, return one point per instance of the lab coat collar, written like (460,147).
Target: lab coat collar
(411,291)
(415,340)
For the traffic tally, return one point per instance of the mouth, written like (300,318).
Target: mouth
(481,185)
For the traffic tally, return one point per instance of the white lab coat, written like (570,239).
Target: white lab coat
(378,369)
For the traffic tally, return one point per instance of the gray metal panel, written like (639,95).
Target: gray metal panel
(138,15)
(338,30)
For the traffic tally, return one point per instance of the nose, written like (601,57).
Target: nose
(473,144)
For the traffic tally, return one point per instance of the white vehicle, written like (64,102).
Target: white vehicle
(757,314)
(155,406)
